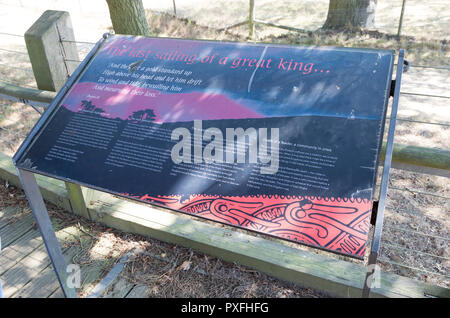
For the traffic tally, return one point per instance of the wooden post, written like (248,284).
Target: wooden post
(50,41)
(251,15)
(77,201)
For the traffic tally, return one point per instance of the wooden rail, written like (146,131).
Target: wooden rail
(26,94)
(432,161)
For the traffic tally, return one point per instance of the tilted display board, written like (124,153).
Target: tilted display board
(276,139)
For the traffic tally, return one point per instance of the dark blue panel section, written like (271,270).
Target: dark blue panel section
(113,128)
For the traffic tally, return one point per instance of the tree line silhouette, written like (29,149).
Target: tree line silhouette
(89,107)
(140,115)
(143,115)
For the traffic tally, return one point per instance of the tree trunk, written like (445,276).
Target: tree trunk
(350,14)
(128,17)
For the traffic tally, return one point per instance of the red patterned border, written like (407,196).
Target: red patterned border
(338,225)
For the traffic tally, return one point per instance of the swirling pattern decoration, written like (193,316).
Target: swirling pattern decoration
(339,225)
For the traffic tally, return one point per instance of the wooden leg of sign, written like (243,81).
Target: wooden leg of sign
(77,201)
(40,214)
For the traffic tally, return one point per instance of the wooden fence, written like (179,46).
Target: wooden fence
(54,53)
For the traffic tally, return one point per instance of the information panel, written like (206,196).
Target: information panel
(281,140)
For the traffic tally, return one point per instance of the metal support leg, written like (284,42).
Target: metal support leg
(40,214)
(375,248)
